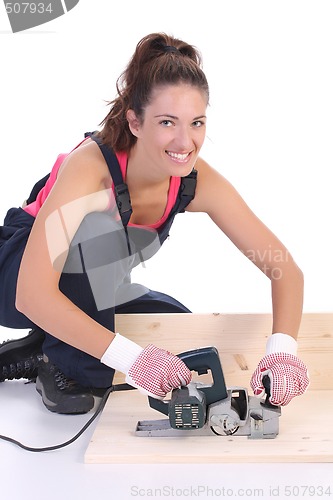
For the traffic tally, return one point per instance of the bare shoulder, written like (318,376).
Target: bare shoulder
(211,186)
(82,186)
(83,174)
(86,160)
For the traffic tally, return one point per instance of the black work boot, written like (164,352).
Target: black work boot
(61,394)
(19,357)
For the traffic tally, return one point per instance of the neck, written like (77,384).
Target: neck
(141,174)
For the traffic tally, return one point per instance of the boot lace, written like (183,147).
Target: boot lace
(27,368)
(63,382)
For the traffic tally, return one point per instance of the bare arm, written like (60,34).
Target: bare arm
(218,198)
(81,188)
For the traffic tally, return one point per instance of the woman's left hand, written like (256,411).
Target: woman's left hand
(288,377)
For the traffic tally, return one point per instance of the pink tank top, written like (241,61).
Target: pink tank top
(33,208)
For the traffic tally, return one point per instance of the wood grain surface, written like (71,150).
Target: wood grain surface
(306,424)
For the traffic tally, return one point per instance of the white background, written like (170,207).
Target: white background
(270,127)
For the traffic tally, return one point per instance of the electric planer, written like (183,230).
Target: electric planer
(212,409)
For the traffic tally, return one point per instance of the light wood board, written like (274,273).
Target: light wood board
(306,424)
(306,435)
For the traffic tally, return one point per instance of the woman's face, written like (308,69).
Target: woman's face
(173,129)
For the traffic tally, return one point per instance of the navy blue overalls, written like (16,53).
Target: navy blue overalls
(102,251)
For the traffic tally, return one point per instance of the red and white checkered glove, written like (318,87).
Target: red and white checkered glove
(158,372)
(153,371)
(287,373)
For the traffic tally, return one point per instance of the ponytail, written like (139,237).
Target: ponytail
(158,60)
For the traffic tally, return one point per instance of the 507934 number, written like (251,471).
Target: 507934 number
(28,8)
(311,491)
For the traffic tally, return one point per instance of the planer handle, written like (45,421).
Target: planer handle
(204,359)
(200,360)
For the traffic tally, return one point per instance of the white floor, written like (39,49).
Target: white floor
(63,474)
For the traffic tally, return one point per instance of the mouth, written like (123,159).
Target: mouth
(179,157)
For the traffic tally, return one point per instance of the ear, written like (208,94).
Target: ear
(133,122)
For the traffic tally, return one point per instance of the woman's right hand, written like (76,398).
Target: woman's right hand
(153,371)
(157,372)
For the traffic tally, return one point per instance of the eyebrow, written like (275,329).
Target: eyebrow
(176,117)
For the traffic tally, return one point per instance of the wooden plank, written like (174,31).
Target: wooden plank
(306,424)
(306,435)
(239,338)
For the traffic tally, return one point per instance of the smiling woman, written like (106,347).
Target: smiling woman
(67,257)
(169,142)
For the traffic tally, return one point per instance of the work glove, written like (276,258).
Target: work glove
(153,371)
(288,375)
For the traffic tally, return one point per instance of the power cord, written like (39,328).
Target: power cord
(102,403)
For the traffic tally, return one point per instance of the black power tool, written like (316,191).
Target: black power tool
(202,409)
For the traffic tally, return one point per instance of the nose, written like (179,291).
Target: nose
(184,139)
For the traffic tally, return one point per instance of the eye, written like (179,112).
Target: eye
(198,123)
(166,123)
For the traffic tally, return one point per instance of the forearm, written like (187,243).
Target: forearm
(57,315)
(287,298)
(153,371)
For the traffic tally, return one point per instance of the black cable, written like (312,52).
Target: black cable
(118,387)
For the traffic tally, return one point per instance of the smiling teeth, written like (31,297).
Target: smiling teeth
(178,156)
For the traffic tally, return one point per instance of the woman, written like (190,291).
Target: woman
(66,257)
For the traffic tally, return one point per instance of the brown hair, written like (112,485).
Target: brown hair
(158,60)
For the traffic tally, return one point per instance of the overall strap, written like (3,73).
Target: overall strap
(123,199)
(35,190)
(187,190)
(185,196)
